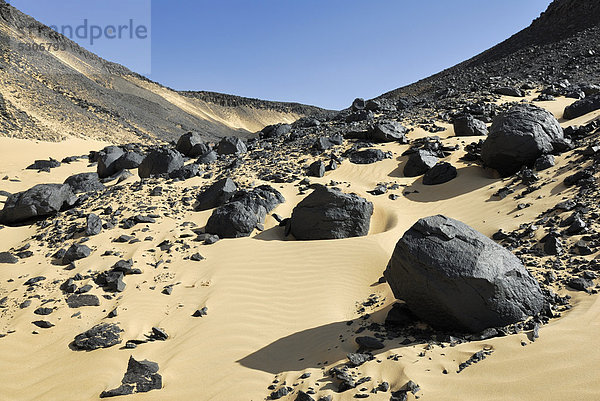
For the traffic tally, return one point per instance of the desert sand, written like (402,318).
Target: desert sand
(277,308)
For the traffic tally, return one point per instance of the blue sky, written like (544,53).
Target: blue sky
(321,52)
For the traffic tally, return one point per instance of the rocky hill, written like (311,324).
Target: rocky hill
(50,95)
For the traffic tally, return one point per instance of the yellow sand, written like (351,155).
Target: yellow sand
(277,308)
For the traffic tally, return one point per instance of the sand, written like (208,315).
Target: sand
(276,308)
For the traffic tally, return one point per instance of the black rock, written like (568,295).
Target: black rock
(128,160)
(43,324)
(39,201)
(160,162)
(186,172)
(208,157)
(419,163)
(201,312)
(552,246)
(8,258)
(78,301)
(216,195)
(233,220)
(231,145)
(369,343)
(187,142)
(508,91)
(580,283)
(302,396)
(141,377)
(544,162)
(44,164)
(43,311)
(106,161)
(467,125)
(519,136)
(84,182)
(368,156)
(275,131)
(330,214)
(281,392)
(455,278)
(103,335)
(399,316)
(93,225)
(440,174)
(389,131)
(111,281)
(355,359)
(76,252)
(582,107)
(316,169)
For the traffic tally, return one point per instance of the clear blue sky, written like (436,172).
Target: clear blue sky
(321,52)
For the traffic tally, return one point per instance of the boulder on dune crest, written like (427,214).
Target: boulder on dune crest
(519,136)
(330,214)
(582,107)
(39,201)
(455,278)
(160,162)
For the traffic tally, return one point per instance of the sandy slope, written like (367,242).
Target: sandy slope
(277,308)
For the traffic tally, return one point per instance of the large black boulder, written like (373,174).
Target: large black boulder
(455,278)
(368,156)
(128,161)
(216,195)
(160,162)
(330,214)
(582,107)
(106,160)
(187,142)
(419,163)
(519,136)
(231,145)
(84,182)
(39,201)
(233,220)
(467,125)
(275,131)
(440,174)
(245,211)
(103,335)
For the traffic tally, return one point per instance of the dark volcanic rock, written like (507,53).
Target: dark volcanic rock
(508,91)
(40,201)
(8,258)
(76,252)
(160,162)
(103,335)
(93,225)
(467,125)
(186,172)
(84,182)
(369,343)
(389,131)
(78,301)
(419,163)
(233,220)
(208,157)
(440,174)
(231,145)
(106,161)
(582,107)
(455,278)
(544,162)
(275,131)
(216,195)
(519,136)
(329,214)
(141,377)
(186,143)
(44,165)
(316,169)
(368,156)
(129,160)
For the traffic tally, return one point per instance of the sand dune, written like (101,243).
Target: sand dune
(276,308)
